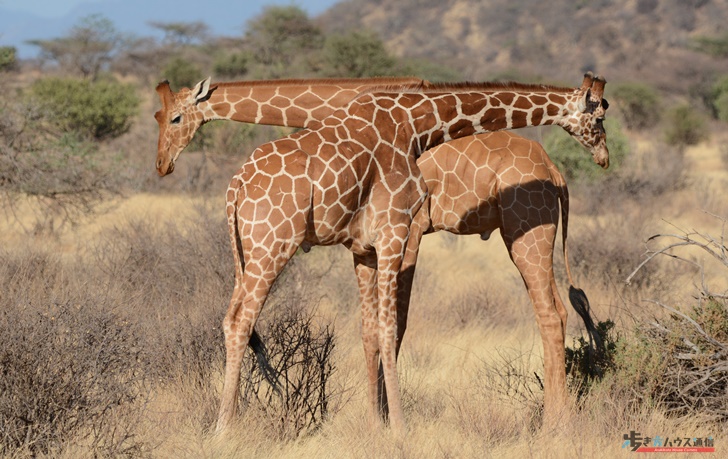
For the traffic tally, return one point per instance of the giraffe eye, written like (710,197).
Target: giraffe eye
(176,119)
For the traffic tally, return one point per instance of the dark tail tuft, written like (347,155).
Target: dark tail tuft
(580,302)
(261,355)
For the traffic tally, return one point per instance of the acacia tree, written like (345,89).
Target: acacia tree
(182,33)
(88,48)
(281,39)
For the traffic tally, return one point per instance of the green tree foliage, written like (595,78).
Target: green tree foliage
(86,50)
(357,55)
(281,39)
(685,126)
(182,73)
(182,33)
(97,110)
(232,65)
(721,106)
(60,176)
(719,98)
(639,104)
(713,46)
(574,160)
(7,58)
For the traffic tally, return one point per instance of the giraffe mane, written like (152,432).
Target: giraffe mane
(380,81)
(427,87)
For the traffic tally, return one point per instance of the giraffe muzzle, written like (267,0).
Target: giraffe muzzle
(164,167)
(601,156)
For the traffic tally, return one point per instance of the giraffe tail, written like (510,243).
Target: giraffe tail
(577,297)
(261,356)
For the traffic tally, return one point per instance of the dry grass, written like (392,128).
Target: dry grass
(155,271)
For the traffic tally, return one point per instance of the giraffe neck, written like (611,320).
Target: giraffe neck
(451,112)
(294,103)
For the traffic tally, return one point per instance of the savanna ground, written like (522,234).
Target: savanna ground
(119,317)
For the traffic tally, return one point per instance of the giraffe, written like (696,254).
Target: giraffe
(303,103)
(368,216)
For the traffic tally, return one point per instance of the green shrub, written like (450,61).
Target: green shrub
(721,106)
(719,98)
(232,65)
(713,46)
(7,58)
(685,126)
(574,160)
(639,104)
(60,176)
(679,358)
(357,54)
(679,361)
(181,73)
(585,365)
(99,110)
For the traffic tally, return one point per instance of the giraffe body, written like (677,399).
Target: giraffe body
(354,181)
(502,181)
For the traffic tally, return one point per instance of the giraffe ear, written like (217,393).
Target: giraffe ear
(582,104)
(201,91)
(165,94)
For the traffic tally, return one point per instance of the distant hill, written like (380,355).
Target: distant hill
(556,39)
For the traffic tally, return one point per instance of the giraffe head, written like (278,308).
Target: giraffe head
(179,119)
(585,123)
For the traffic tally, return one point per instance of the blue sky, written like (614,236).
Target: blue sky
(23,20)
(46,8)
(58,8)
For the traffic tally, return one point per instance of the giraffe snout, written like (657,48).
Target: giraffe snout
(164,167)
(601,156)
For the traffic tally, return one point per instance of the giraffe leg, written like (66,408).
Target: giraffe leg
(392,245)
(366,275)
(406,277)
(387,321)
(532,253)
(404,292)
(234,351)
(265,252)
(245,307)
